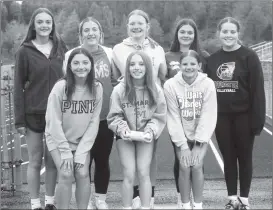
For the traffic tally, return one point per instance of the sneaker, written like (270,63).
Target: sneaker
(186,205)
(100,204)
(242,206)
(152,203)
(40,208)
(232,205)
(197,206)
(136,203)
(50,207)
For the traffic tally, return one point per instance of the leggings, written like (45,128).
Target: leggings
(233,134)
(100,152)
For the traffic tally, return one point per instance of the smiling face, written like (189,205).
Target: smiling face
(91,33)
(43,24)
(185,35)
(80,65)
(137,27)
(189,67)
(137,67)
(228,35)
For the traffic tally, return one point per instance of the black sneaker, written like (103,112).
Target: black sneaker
(231,205)
(38,208)
(50,207)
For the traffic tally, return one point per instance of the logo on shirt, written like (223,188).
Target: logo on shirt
(225,71)
(191,105)
(78,107)
(175,65)
(102,70)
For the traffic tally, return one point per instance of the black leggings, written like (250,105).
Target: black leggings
(100,152)
(235,142)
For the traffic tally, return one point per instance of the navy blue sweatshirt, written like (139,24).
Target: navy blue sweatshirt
(239,82)
(34,77)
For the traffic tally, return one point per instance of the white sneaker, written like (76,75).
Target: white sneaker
(186,205)
(100,204)
(152,203)
(136,203)
(197,205)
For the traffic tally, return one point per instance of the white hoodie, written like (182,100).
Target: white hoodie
(122,50)
(192,109)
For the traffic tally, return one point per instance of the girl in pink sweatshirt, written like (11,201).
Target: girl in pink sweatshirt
(191,120)
(72,121)
(137,104)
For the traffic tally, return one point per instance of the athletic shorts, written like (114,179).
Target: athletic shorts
(36,122)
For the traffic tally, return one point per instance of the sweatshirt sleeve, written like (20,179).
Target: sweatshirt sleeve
(54,131)
(204,130)
(115,118)
(115,73)
(257,94)
(174,122)
(158,120)
(20,81)
(91,132)
(162,72)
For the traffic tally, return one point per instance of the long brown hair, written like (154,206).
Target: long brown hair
(149,83)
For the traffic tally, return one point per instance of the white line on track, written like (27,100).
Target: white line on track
(268,131)
(217,156)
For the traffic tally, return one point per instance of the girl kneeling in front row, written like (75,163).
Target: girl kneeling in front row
(137,116)
(72,121)
(191,120)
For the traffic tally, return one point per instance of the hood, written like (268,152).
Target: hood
(198,81)
(200,77)
(129,42)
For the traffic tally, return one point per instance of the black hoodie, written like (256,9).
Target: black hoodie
(239,82)
(34,77)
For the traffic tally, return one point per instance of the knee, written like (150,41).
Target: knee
(35,161)
(81,174)
(65,176)
(143,173)
(184,170)
(197,168)
(129,175)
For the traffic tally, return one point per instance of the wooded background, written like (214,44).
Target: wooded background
(254,16)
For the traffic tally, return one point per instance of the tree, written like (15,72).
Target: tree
(70,30)
(15,11)
(156,31)
(13,36)
(4,15)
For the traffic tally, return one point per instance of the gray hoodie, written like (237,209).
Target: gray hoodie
(137,117)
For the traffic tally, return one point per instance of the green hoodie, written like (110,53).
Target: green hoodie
(192,109)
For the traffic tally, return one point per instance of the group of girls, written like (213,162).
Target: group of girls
(82,99)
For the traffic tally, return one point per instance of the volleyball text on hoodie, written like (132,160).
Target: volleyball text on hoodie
(239,82)
(192,109)
(173,62)
(139,116)
(72,125)
(102,65)
(122,50)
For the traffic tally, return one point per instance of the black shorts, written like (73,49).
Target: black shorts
(36,122)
